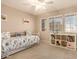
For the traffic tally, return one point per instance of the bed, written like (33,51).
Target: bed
(15,43)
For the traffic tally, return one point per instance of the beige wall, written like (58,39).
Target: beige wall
(14,21)
(45,35)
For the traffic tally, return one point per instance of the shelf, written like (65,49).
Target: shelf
(65,41)
(72,49)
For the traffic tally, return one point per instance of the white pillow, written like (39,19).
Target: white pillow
(5,35)
(29,33)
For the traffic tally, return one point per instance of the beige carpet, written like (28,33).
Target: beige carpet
(44,51)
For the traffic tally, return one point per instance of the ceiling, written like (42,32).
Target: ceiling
(36,7)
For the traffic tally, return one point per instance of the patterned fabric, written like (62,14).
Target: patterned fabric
(5,35)
(12,43)
(5,47)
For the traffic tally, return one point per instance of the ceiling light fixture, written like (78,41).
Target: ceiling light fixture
(39,4)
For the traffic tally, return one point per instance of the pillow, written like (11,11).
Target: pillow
(5,35)
(16,34)
(29,33)
(34,34)
(23,33)
(13,35)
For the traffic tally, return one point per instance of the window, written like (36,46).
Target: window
(56,24)
(43,24)
(66,25)
(70,23)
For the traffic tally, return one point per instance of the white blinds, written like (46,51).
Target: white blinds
(66,24)
(70,23)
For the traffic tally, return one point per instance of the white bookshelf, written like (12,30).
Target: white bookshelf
(67,41)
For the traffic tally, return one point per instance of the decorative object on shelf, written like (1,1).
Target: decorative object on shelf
(70,45)
(58,43)
(53,41)
(3,17)
(64,43)
(43,24)
(52,37)
(70,38)
(25,20)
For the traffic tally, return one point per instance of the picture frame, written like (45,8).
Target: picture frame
(25,21)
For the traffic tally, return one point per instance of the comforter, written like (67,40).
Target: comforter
(15,44)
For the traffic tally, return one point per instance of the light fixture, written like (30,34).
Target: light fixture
(38,4)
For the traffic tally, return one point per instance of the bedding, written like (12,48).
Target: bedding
(12,45)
